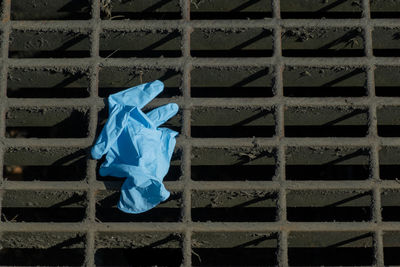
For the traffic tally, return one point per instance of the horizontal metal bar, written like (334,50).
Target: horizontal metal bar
(202,227)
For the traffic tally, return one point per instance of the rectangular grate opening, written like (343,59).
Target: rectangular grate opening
(390,205)
(318,9)
(46,122)
(328,206)
(42,248)
(43,206)
(330,248)
(45,44)
(227,164)
(140,10)
(388,121)
(327,163)
(233,206)
(322,42)
(107,211)
(50,10)
(234,248)
(231,82)
(325,122)
(115,79)
(389,168)
(387,81)
(386,42)
(147,44)
(252,42)
(391,247)
(127,249)
(384,9)
(45,165)
(324,82)
(232,122)
(230,9)
(47,83)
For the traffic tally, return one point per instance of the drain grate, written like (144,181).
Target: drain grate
(288,151)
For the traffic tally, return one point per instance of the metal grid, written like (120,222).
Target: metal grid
(278,103)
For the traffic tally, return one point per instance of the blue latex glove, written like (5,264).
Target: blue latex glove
(136,147)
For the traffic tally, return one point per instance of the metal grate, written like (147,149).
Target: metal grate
(288,151)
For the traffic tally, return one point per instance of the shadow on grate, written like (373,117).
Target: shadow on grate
(389,168)
(231,82)
(107,211)
(46,122)
(325,122)
(226,164)
(324,82)
(43,206)
(233,206)
(330,248)
(33,248)
(50,10)
(232,122)
(387,81)
(391,248)
(47,83)
(328,206)
(234,249)
(390,205)
(140,10)
(388,121)
(44,44)
(386,42)
(319,163)
(384,9)
(230,9)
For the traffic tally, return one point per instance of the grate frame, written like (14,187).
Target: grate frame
(278,102)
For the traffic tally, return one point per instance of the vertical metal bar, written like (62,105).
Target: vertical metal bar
(186,119)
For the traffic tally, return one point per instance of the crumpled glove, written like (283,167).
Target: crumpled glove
(136,147)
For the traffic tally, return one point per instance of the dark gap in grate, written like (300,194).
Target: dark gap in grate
(390,205)
(232,122)
(44,44)
(210,164)
(46,123)
(325,122)
(43,206)
(252,42)
(50,10)
(387,81)
(330,248)
(44,257)
(314,163)
(234,249)
(231,82)
(391,248)
(230,9)
(322,42)
(385,42)
(316,9)
(115,79)
(385,9)
(47,83)
(140,10)
(106,210)
(140,44)
(388,121)
(328,206)
(324,82)
(139,256)
(233,206)
(389,167)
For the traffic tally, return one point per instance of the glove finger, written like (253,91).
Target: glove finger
(137,96)
(160,115)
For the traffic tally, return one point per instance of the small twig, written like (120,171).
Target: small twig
(112,53)
(197,255)
(141,76)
